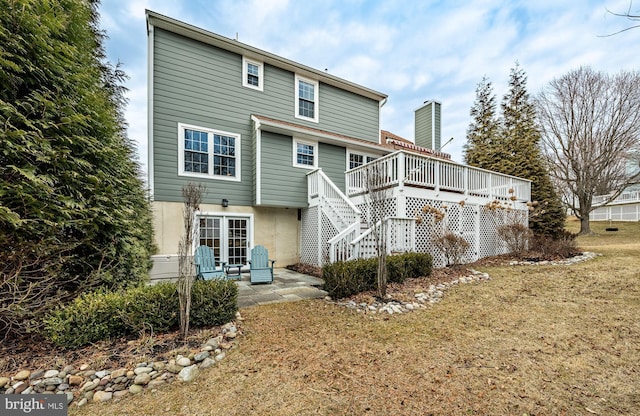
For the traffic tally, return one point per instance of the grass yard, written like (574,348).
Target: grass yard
(534,340)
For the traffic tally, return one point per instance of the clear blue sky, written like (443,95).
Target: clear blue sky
(410,50)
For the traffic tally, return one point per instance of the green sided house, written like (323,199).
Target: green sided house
(284,150)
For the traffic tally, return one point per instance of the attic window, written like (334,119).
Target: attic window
(252,74)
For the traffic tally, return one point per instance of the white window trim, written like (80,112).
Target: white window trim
(245,69)
(210,133)
(295,154)
(355,152)
(316,101)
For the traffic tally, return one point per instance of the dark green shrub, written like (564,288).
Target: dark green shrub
(102,315)
(397,270)
(345,278)
(150,308)
(419,264)
(88,318)
(213,302)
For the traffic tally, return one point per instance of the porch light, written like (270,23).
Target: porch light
(225,203)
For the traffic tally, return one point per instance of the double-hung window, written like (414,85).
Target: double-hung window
(358,159)
(305,154)
(208,153)
(252,74)
(306,99)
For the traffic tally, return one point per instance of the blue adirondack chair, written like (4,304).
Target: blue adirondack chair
(205,262)
(261,267)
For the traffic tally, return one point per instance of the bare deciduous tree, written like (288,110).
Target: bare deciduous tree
(629,15)
(192,196)
(590,124)
(377,192)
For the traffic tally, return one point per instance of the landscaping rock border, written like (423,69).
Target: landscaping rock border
(433,295)
(436,292)
(84,384)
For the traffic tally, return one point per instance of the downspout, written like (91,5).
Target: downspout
(258,133)
(150,165)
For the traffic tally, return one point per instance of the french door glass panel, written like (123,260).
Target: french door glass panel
(237,242)
(233,248)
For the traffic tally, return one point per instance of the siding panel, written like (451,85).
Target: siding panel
(200,84)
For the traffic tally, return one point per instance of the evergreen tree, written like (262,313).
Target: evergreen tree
(520,155)
(482,133)
(510,144)
(74,215)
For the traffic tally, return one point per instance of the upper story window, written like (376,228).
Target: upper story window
(252,74)
(306,99)
(208,153)
(358,159)
(305,154)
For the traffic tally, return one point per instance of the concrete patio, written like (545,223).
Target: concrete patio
(287,286)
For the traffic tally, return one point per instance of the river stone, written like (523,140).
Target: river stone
(207,362)
(142,379)
(135,389)
(220,356)
(118,373)
(188,373)
(174,368)
(102,396)
(75,380)
(69,369)
(120,393)
(22,375)
(90,385)
(84,367)
(102,373)
(158,365)
(231,335)
(63,386)
(51,373)
(213,342)
(200,356)
(37,374)
(142,370)
(4,381)
(20,388)
(82,402)
(155,383)
(183,361)
(118,387)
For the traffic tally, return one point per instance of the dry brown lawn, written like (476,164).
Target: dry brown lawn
(535,340)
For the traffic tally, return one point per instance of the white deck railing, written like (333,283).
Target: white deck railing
(408,169)
(401,237)
(623,198)
(338,208)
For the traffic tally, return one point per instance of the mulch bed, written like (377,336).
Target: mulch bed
(36,353)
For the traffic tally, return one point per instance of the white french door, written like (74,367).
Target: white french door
(228,235)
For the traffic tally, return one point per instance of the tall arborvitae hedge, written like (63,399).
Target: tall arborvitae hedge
(74,214)
(511,145)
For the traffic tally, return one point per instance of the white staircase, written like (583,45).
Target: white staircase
(346,236)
